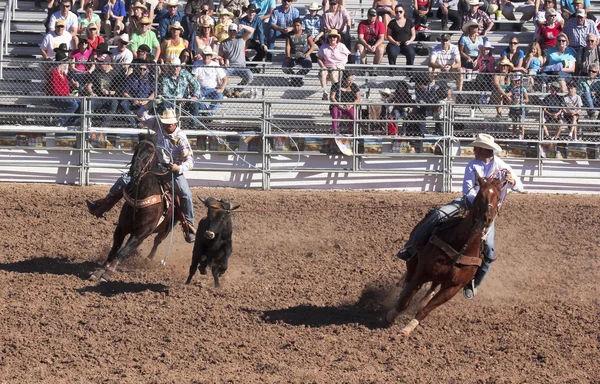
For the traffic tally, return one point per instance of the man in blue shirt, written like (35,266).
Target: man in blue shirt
(265,8)
(169,17)
(139,85)
(257,41)
(281,22)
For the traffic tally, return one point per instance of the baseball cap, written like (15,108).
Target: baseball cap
(372,12)
(445,37)
(144,48)
(233,27)
(59,23)
(580,13)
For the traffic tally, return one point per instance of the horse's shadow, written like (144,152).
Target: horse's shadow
(51,265)
(113,288)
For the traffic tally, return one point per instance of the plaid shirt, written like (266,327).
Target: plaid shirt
(482,19)
(282,18)
(179,87)
(312,25)
(577,34)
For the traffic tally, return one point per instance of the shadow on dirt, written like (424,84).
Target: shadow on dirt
(51,265)
(113,288)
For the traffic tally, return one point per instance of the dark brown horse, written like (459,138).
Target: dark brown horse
(438,261)
(143,209)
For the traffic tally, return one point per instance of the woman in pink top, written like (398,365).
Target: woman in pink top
(333,55)
(81,55)
(337,18)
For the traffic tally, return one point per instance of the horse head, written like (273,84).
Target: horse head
(486,203)
(146,158)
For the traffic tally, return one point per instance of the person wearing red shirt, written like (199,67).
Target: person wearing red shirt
(371,34)
(547,32)
(58,85)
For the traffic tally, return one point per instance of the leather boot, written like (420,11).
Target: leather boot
(99,207)
(190,233)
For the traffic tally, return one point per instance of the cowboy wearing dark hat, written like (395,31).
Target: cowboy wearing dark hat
(257,41)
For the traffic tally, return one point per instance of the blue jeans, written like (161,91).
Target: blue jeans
(272,35)
(488,255)
(108,106)
(588,101)
(66,106)
(407,50)
(126,106)
(305,62)
(244,73)
(210,94)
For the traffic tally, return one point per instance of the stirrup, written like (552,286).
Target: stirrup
(470,290)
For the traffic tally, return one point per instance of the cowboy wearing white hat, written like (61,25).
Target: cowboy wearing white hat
(485,164)
(479,16)
(173,15)
(175,142)
(212,79)
(312,21)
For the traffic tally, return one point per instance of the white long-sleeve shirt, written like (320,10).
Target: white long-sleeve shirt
(478,167)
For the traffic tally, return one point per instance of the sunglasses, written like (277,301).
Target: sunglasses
(332,37)
(143,69)
(590,41)
(59,26)
(562,41)
(67,6)
(399,11)
(593,71)
(514,43)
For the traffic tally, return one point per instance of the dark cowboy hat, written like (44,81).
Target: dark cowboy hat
(61,56)
(252,8)
(62,48)
(102,49)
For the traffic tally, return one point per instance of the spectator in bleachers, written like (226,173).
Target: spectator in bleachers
(121,54)
(402,100)
(281,22)
(54,39)
(338,19)
(587,55)
(578,28)
(298,48)
(421,10)
(572,109)
(469,44)
(517,95)
(204,38)
(70,19)
(333,57)
(485,62)
(212,80)
(181,84)
(448,10)
(87,18)
(542,16)
(257,41)
(327,4)
(237,7)
(104,82)
(533,61)
(266,9)
(113,14)
(222,26)
(168,18)
(145,37)
(502,85)
(79,70)
(232,51)
(93,36)
(514,53)
(186,58)
(371,37)
(589,87)
(553,110)
(139,11)
(584,5)
(143,53)
(569,8)
(172,46)
(312,24)
(483,20)
(400,36)
(445,58)
(527,9)
(139,85)
(560,60)
(386,10)
(549,30)
(343,94)
(58,84)
(195,7)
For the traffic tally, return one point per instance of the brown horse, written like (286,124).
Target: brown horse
(143,209)
(438,262)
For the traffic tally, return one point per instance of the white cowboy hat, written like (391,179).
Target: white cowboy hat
(208,51)
(492,9)
(486,141)
(385,92)
(172,3)
(168,117)
(469,24)
(226,12)
(314,6)
(475,2)
(487,45)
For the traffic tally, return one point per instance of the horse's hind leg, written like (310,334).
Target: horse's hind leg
(118,238)
(134,241)
(446,293)
(429,295)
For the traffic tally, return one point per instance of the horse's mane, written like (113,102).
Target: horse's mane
(146,158)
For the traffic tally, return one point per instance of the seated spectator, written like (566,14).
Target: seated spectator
(186,58)
(560,60)
(181,84)
(543,14)
(518,96)
(172,47)
(256,42)
(112,16)
(58,84)
(549,30)
(578,28)
(371,36)
(400,36)
(386,10)
(54,39)
(421,11)
(402,100)
(94,39)
(222,26)
(139,11)
(232,51)
(327,5)
(484,65)
(143,53)
(584,5)
(514,54)
(237,7)
(333,56)
(448,10)
(104,82)
(69,18)
(553,110)
(173,14)
(312,23)
(87,18)
(527,9)
(469,44)
(590,54)
(343,95)
(298,48)
(145,37)
(589,88)
(336,17)
(121,54)
(572,109)
(281,22)
(78,69)
(569,8)
(212,80)
(204,38)
(446,58)
(266,9)
(194,7)
(483,20)
(533,61)
(139,86)
(502,84)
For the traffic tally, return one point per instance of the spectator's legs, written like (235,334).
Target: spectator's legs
(454,16)
(126,107)
(379,54)
(287,67)
(260,51)
(182,189)
(323,78)
(306,64)
(335,115)
(111,109)
(66,106)
(444,17)
(459,78)
(419,19)
(409,52)
(211,94)
(273,34)
(393,51)
(488,255)
(362,52)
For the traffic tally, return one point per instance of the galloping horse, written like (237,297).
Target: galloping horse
(439,262)
(143,209)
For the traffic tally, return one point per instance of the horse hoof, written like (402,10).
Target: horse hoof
(390,317)
(405,333)
(96,275)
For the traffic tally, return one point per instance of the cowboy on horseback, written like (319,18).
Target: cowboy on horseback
(174,141)
(485,164)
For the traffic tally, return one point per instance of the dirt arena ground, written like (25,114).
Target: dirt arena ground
(292,308)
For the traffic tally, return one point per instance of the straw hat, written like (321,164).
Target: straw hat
(505,61)
(176,25)
(168,117)
(492,9)
(59,23)
(208,52)
(139,5)
(469,24)
(334,32)
(227,12)
(145,21)
(314,6)
(486,141)
(172,3)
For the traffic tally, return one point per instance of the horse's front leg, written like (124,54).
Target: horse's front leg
(429,295)
(406,296)
(158,240)
(132,244)
(118,238)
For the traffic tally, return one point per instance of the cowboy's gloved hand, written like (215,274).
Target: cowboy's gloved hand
(174,167)
(510,178)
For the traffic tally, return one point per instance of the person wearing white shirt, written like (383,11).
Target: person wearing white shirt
(65,14)
(446,58)
(485,164)
(54,39)
(212,79)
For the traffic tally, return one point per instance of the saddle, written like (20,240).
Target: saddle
(457,257)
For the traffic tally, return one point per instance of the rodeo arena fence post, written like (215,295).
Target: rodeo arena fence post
(407,123)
